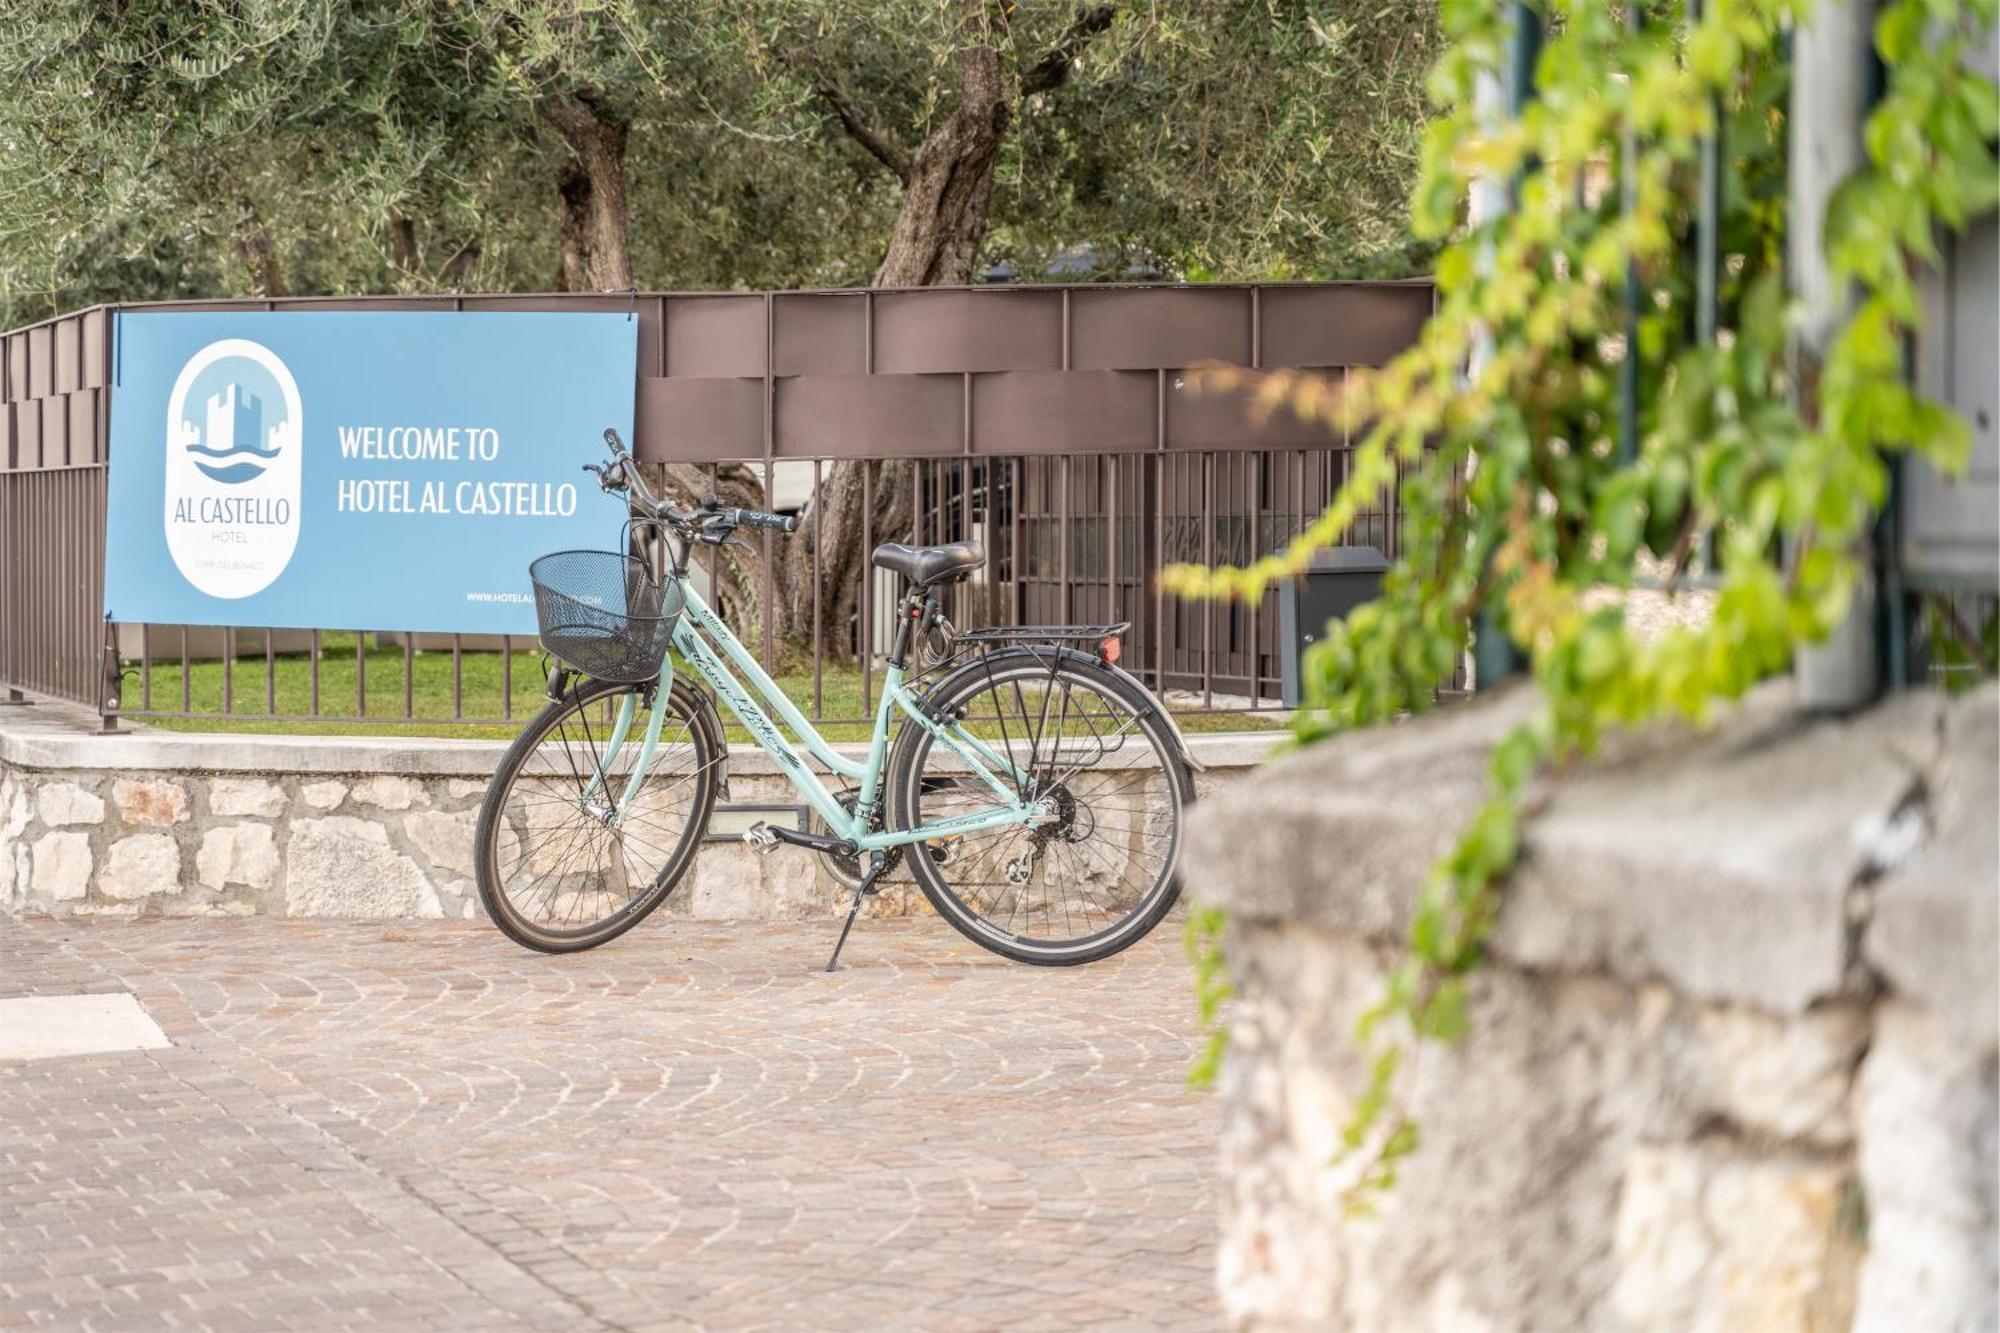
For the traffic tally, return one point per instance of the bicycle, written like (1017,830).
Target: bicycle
(1035,789)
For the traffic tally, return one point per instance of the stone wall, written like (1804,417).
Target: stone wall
(179,824)
(1732,1061)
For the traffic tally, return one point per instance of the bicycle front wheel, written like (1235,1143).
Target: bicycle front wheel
(1097,749)
(559,867)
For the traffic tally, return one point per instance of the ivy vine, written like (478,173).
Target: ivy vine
(1754,470)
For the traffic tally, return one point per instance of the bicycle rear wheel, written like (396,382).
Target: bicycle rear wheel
(558,871)
(1095,745)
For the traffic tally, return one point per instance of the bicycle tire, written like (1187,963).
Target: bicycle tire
(684,727)
(1146,717)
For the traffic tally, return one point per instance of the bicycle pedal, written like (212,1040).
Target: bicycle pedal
(760,838)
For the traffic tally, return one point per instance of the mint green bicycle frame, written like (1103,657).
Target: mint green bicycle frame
(697,638)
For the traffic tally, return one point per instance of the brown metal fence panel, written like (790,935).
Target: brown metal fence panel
(1062,426)
(54,409)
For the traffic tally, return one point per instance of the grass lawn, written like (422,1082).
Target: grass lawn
(482,686)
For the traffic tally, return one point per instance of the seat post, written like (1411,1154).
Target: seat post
(909,617)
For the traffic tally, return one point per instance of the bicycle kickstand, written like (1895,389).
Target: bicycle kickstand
(877,863)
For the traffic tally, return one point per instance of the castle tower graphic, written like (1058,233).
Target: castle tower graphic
(235,421)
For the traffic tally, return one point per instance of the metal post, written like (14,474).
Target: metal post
(1494,656)
(107,714)
(1830,83)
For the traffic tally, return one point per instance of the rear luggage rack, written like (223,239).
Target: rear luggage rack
(1041,634)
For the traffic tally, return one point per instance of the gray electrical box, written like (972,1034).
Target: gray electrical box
(1950,526)
(1339,579)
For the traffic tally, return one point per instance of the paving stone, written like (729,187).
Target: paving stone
(426,1127)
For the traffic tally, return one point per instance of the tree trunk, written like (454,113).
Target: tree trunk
(950,183)
(947,190)
(260,256)
(590,193)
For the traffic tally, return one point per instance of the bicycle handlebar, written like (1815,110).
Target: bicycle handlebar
(711,514)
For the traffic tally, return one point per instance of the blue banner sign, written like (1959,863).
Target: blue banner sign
(356,469)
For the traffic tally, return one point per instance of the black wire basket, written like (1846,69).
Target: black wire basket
(604,614)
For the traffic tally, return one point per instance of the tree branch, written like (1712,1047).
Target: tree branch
(852,119)
(1053,68)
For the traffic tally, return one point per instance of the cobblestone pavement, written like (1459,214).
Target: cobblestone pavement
(426,1127)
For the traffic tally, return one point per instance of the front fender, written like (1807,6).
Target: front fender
(700,705)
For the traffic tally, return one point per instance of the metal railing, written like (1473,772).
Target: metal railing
(1069,539)
(1053,423)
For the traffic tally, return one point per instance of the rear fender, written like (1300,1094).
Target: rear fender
(951,679)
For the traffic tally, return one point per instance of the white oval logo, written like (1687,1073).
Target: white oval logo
(234,468)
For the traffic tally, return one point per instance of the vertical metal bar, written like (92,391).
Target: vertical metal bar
(1254,506)
(270,673)
(409,673)
(1161,468)
(315,672)
(457,677)
(145,668)
(769,594)
(185,672)
(1018,594)
(228,669)
(507,640)
(769,600)
(1628,197)
(988,468)
(819,646)
(1062,538)
(963,595)
(866,630)
(1111,588)
(1208,558)
(361,673)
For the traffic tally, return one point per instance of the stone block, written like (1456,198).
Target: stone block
(64,803)
(15,810)
(444,839)
(62,864)
(153,801)
(1926,1106)
(1935,926)
(1709,1238)
(141,866)
(724,882)
(1787,1078)
(323,795)
(237,854)
(389,792)
(345,867)
(245,796)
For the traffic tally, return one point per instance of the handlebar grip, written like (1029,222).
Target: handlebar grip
(611,439)
(751,518)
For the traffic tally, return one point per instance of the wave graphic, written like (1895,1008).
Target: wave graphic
(232,452)
(231,474)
